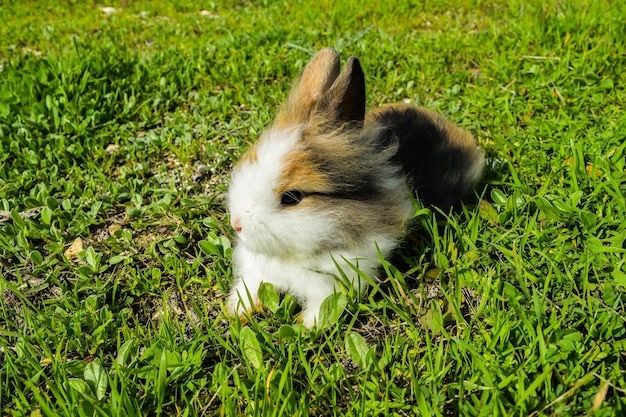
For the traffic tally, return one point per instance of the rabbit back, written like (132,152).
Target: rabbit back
(440,161)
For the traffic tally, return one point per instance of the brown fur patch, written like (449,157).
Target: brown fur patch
(323,158)
(301,174)
(291,115)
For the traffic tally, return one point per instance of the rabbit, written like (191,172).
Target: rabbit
(327,187)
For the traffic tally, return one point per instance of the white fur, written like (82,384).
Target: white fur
(265,228)
(277,245)
(310,281)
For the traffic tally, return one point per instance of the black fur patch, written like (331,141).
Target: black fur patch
(435,166)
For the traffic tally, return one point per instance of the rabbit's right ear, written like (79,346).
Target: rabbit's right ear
(345,100)
(318,76)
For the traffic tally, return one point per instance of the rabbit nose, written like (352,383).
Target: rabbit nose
(236,224)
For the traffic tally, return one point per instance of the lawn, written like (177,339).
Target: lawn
(118,129)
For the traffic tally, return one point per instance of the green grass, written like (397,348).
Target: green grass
(121,129)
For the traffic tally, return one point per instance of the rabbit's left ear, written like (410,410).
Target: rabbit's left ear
(345,100)
(318,76)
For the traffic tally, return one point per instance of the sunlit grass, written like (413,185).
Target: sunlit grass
(120,129)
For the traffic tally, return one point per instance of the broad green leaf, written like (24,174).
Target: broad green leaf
(488,212)
(78,385)
(268,296)
(209,248)
(570,341)
(563,206)
(548,207)
(116,259)
(96,377)
(18,222)
(331,309)
(356,348)
(286,332)
(95,208)
(215,245)
(36,258)
(250,347)
(52,203)
(575,197)
(137,200)
(90,257)
(123,352)
(181,239)
(76,367)
(45,215)
(498,197)
(588,219)
(619,277)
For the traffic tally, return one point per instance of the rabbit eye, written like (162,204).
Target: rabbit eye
(291,198)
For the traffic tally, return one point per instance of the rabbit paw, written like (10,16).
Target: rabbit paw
(241,301)
(309,317)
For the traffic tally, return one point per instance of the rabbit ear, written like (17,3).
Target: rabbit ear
(317,78)
(345,100)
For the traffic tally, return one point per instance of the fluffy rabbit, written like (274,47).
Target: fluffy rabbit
(326,186)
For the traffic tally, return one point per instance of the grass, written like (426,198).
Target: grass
(117,133)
